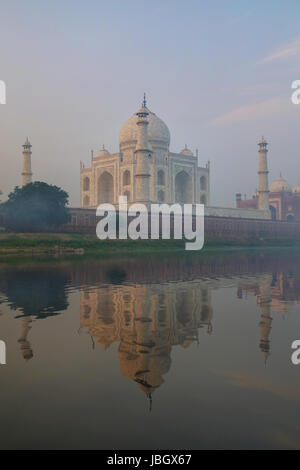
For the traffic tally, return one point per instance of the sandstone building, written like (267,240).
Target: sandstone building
(282,199)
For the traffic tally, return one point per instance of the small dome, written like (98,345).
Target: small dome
(186,151)
(158,132)
(297,189)
(103,153)
(280,186)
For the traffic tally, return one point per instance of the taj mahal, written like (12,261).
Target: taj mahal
(144,169)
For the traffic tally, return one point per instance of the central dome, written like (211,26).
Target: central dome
(158,132)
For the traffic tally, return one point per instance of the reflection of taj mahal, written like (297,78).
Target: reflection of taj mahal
(144,169)
(147,320)
(146,315)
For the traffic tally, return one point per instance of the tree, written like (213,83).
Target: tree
(35,207)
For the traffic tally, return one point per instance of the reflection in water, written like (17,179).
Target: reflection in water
(26,350)
(131,303)
(173,326)
(147,321)
(34,293)
(276,292)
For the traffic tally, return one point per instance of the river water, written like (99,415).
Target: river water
(155,352)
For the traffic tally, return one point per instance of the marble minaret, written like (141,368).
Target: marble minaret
(263,184)
(26,173)
(142,153)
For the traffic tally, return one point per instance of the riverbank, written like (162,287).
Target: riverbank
(79,244)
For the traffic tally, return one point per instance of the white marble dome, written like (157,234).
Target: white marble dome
(158,132)
(297,189)
(280,185)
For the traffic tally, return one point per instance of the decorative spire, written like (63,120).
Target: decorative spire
(263,143)
(144,105)
(27,143)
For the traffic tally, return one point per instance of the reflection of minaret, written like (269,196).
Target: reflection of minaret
(25,345)
(265,301)
(144,352)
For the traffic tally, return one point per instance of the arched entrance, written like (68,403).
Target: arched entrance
(273,212)
(161,177)
(126,178)
(86,184)
(105,188)
(203,183)
(183,188)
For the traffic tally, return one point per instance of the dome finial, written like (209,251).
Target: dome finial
(144,105)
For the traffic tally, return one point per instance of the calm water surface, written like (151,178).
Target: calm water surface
(185,351)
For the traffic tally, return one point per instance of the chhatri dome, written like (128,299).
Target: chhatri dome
(280,185)
(103,152)
(186,151)
(297,189)
(158,132)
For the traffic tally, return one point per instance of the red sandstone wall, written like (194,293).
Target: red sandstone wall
(216,228)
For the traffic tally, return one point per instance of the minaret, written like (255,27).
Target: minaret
(26,173)
(142,153)
(263,184)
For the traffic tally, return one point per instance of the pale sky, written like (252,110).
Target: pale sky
(219,74)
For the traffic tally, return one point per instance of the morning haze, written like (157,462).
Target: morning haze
(219,74)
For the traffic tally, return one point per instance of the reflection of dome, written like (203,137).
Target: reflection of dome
(297,189)
(280,185)
(103,153)
(186,151)
(158,132)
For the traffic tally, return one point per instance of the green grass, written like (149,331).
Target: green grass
(88,243)
(11,243)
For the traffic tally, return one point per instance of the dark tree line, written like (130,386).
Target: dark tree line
(36,207)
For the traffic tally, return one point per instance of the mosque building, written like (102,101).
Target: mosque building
(283,200)
(144,169)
